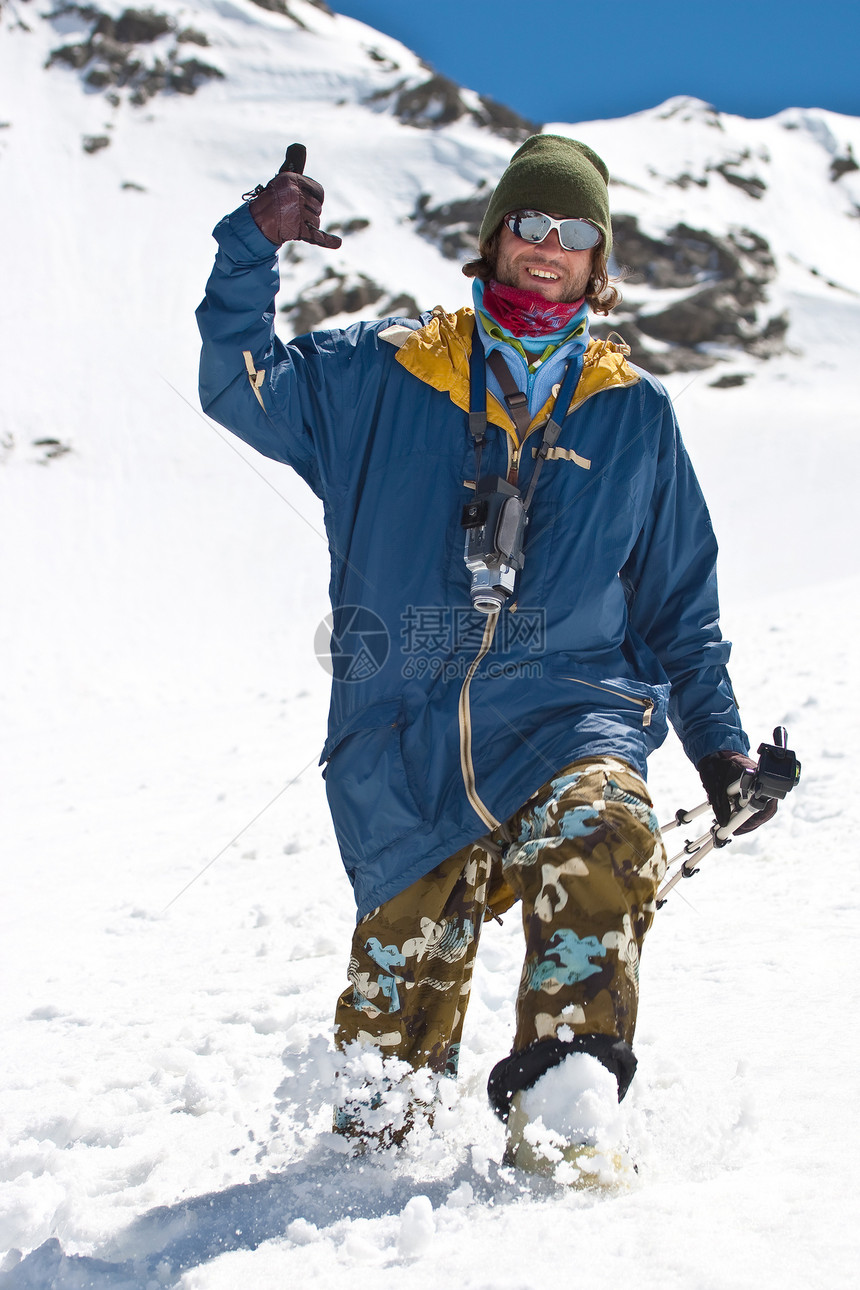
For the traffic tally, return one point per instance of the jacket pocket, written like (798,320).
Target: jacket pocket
(641,703)
(369,795)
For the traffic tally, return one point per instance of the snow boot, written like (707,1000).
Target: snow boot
(568,1126)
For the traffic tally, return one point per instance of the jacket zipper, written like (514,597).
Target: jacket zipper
(647,704)
(465,719)
(465,716)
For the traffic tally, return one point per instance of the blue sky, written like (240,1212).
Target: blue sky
(563,60)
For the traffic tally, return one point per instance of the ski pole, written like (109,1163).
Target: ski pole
(775,775)
(695,851)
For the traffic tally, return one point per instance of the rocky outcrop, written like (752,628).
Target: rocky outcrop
(338,293)
(751,184)
(39,452)
(439,101)
(738,169)
(843,165)
(724,304)
(111,58)
(283,7)
(452,226)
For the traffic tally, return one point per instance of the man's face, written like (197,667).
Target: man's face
(559,275)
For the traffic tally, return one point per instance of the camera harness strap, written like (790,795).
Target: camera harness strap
(517,405)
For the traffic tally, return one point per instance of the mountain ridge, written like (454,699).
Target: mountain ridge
(710,211)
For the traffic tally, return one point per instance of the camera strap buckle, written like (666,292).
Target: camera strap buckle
(517,402)
(518,407)
(495,519)
(478,431)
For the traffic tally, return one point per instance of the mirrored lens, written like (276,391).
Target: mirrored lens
(533,226)
(529,225)
(578,234)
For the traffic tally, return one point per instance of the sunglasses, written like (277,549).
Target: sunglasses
(533,226)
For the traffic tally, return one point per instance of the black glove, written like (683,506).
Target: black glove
(288,209)
(719,771)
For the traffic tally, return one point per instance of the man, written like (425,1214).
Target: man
(494,751)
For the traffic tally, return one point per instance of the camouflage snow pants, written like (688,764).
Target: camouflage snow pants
(584,857)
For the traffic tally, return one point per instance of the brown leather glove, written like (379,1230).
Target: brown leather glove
(288,209)
(718,772)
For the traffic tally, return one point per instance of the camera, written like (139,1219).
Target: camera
(495,522)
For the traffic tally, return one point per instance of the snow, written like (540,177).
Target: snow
(175,923)
(578,1099)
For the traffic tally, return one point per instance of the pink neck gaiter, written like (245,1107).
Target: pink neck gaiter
(527,313)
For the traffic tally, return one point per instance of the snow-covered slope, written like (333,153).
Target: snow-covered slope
(161,708)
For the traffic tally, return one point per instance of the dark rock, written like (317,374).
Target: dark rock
(726,279)
(439,101)
(840,166)
(453,226)
(281,7)
(53,448)
(677,358)
(351,226)
(771,339)
(504,121)
(109,60)
(113,64)
(401,307)
(750,184)
(709,315)
(95,142)
(689,109)
(434,102)
(333,294)
(683,258)
(135,26)
(730,381)
(684,181)
(188,76)
(378,57)
(76,56)
(191,36)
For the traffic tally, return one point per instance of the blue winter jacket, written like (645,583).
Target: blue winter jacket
(443,722)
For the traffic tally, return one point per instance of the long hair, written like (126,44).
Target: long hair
(600,293)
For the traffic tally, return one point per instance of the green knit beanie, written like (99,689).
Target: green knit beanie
(558,176)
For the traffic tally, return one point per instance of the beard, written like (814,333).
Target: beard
(568,287)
